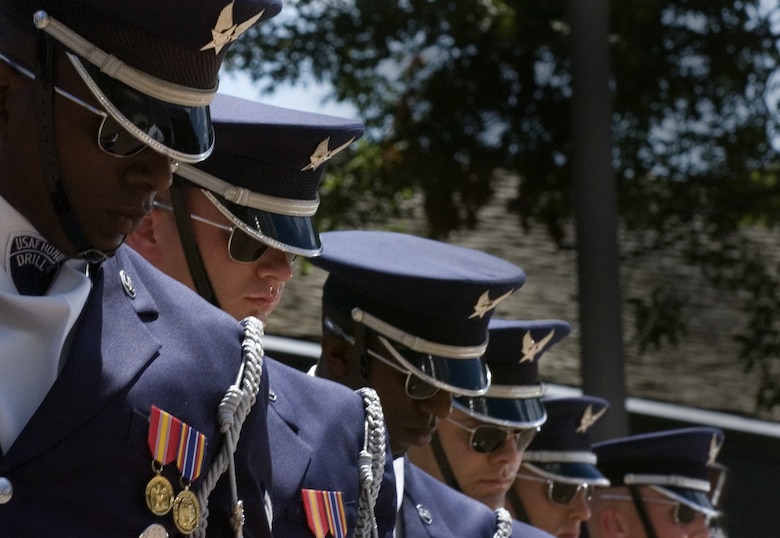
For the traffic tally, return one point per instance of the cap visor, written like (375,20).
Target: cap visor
(183,133)
(518,412)
(459,376)
(698,500)
(573,472)
(291,234)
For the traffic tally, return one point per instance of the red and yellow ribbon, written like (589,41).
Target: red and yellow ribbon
(163,436)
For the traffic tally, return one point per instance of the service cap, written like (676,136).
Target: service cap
(266,168)
(432,300)
(562,449)
(152,64)
(674,462)
(513,352)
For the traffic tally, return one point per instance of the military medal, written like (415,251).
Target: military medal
(189,459)
(159,495)
(163,441)
(186,511)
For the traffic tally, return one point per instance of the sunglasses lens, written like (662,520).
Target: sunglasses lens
(486,439)
(245,248)
(524,438)
(114,139)
(177,129)
(563,493)
(684,514)
(418,388)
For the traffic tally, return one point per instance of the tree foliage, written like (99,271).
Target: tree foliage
(452,91)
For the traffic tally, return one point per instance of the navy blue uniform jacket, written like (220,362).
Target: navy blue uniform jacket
(433,509)
(316,428)
(81,465)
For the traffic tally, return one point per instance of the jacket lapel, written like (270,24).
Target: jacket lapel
(110,345)
(416,507)
(291,454)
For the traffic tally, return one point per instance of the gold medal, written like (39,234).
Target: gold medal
(186,511)
(159,495)
(163,442)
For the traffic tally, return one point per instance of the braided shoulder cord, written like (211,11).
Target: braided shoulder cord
(371,463)
(503,523)
(231,413)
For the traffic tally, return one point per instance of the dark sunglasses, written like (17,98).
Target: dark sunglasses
(416,387)
(112,138)
(486,438)
(242,247)
(561,492)
(683,514)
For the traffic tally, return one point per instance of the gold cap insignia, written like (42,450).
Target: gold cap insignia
(589,419)
(714,450)
(531,348)
(322,154)
(226,31)
(485,304)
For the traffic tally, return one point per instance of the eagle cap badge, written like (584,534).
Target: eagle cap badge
(485,304)
(714,450)
(226,31)
(322,154)
(531,348)
(589,419)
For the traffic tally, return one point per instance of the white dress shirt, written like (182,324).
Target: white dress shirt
(33,331)
(398,469)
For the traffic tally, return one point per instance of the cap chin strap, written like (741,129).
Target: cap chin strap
(642,511)
(50,162)
(361,346)
(188,243)
(443,462)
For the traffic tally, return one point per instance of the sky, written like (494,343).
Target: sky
(309,99)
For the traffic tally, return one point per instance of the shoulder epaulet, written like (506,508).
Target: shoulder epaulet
(503,523)
(371,463)
(231,413)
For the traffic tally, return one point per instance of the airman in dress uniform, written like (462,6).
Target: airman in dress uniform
(408,316)
(111,375)
(478,449)
(556,480)
(229,227)
(659,484)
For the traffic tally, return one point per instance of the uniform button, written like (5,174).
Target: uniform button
(6,490)
(154,531)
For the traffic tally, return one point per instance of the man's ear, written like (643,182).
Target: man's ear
(144,240)
(337,356)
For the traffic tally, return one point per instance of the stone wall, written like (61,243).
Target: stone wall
(703,371)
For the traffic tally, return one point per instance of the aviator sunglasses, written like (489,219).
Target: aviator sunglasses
(416,387)
(486,438)
(683,514)
(561,492)
(112,138)
(242,247)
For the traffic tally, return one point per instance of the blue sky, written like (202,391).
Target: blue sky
(309,99)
